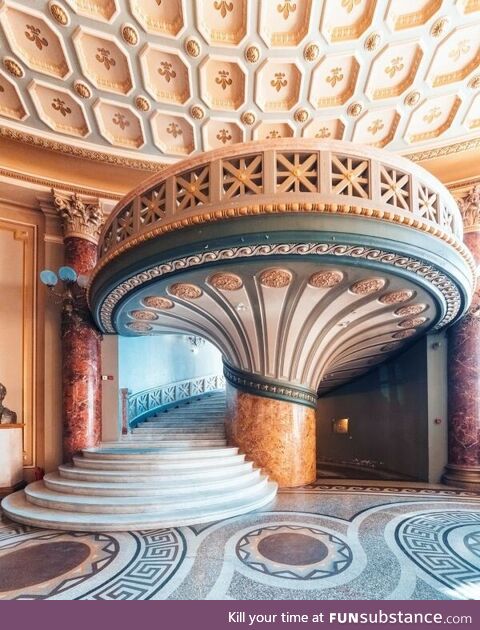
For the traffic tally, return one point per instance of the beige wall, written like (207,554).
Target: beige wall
(29,330)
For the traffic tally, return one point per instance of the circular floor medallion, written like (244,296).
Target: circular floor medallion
(294,552)
(40,563)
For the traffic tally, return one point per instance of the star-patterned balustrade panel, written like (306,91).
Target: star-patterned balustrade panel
(164,79)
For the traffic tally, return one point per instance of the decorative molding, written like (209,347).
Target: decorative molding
(80,152)
(415,266)
(80,218)
(260,386)
(470,209)
(49,184)
(144,403)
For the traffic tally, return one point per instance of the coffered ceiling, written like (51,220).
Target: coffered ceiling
(162,79)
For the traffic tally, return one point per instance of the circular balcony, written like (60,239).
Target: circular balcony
(305,262)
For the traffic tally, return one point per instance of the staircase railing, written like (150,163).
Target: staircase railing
(139,405)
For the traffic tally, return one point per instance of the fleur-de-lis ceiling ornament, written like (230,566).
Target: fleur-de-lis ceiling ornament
(462,48)
(286,8)
(104,56)
(273,134)
(224,135)
(224,7)
(174,129)
(348,5)
(323,133)
(335,76)
(279,81)
(376,125)
(2,89)
(60,106)
(434,113)
(166,70)
(396,64)
(223,79)
(34,34)
(159,2)
(120,120)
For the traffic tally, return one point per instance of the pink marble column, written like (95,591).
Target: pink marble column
(277,435)
(81,340)
(463,469)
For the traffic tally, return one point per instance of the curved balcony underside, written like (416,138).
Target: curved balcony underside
(303,262)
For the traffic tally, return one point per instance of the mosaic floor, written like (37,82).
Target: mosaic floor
(331,540)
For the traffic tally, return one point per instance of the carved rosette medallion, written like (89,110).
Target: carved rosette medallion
(404,334)
(248,118)
(413,322)
(275,278)
(192,47)
(325,279)
(139,326)
(396,297)
(80,218)
(366,287)
(372,42)
(252,54)
(13,67)
(412,98)
(197,112)
(311,52)
(82,89)
(142,104)
(143,315)
(301,115)
(226,281)
(185,291)
(355,109)
(130,34)
(413,309)
(470,210)
(155,301)
(58,14)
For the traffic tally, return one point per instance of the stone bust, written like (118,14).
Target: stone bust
(6,415)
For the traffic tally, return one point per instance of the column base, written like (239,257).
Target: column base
(278,436)
(462,476)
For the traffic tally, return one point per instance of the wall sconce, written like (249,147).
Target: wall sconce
(73,285)
(340,425)
(195,342)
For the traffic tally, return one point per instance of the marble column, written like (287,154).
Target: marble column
(81,340)
(277,435)
(463,469)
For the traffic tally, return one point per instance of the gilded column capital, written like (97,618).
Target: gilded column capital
(470,208)
(80,217)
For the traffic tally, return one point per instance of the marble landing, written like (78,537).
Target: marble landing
(329,540)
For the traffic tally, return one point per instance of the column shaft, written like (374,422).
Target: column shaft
(277,435)
(463,469)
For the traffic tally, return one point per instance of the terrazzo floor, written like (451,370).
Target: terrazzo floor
(335,539)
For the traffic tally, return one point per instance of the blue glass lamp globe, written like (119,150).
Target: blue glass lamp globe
(67,274)
(49,278)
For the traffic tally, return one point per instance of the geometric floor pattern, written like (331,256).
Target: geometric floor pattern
(343,540)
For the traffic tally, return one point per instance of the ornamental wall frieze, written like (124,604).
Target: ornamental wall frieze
(281,208)
(255,384)
(415,266)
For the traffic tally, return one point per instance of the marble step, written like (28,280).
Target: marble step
(169,475)
(183,417)
(158,454)
(185,435)
(197,426)
(160,431)
(38,494)
(186,443)
(149,487)
(17,507)
(148,439)
(155,465)
(194,429)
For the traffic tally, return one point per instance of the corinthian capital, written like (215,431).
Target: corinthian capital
(80,218)
(470,209)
